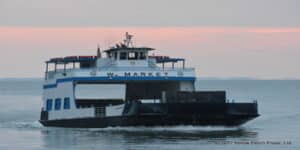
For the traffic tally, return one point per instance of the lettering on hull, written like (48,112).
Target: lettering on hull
(143,74)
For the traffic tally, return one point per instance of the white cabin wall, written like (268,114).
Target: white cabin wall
(62,90)
(132,63)
(104,62)
(71,113)
(100,91)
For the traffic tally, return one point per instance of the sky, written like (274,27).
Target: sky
(225,39)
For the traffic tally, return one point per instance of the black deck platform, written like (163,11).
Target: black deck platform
(167,114)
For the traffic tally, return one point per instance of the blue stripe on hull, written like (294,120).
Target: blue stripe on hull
(118,79)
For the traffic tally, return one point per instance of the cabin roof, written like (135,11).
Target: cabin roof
(70,59)
(166,59)
(124,48)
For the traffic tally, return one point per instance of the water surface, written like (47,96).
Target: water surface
(276,128)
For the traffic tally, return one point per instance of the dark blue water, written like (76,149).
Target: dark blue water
(276,128)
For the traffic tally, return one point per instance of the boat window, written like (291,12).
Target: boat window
(49,104)
(109,55)
(57,104)
(66,103)
(123,55)
(142,55)
(116,55)
(132,55)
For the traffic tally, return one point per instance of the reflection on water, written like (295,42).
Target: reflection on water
(141,136)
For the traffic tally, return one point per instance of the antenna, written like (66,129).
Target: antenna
(128,40)
(98,51)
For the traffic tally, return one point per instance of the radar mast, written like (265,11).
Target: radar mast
(128,40)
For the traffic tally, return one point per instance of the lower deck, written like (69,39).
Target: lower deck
(72,95)
(137,114)
(160,99)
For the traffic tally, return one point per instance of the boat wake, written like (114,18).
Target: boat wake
(21,124)
(167,129)
(180,132)
(182,128)
(177,132)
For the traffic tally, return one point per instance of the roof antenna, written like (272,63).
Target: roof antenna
(128,40)
(98,51)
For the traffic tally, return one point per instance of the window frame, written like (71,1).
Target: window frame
(49,104)
(135,56)
(67,104)
(57,104)
(123,54)
(115,55)
(142,55)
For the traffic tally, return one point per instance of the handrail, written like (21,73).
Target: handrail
(119,69)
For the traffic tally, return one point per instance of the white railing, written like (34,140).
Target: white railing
(71,71)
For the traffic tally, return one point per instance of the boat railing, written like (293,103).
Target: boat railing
(175,69)
(70,71)
(50,75)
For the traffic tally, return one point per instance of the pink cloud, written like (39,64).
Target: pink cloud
(194,43)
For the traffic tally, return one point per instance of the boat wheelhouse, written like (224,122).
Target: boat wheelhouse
(129,87)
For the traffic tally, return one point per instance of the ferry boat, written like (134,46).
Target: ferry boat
(129,87)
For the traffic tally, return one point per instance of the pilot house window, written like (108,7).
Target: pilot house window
(116,55)
(132,55)
(123,55)
(142,55)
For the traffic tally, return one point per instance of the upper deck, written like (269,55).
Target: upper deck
(122,63)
